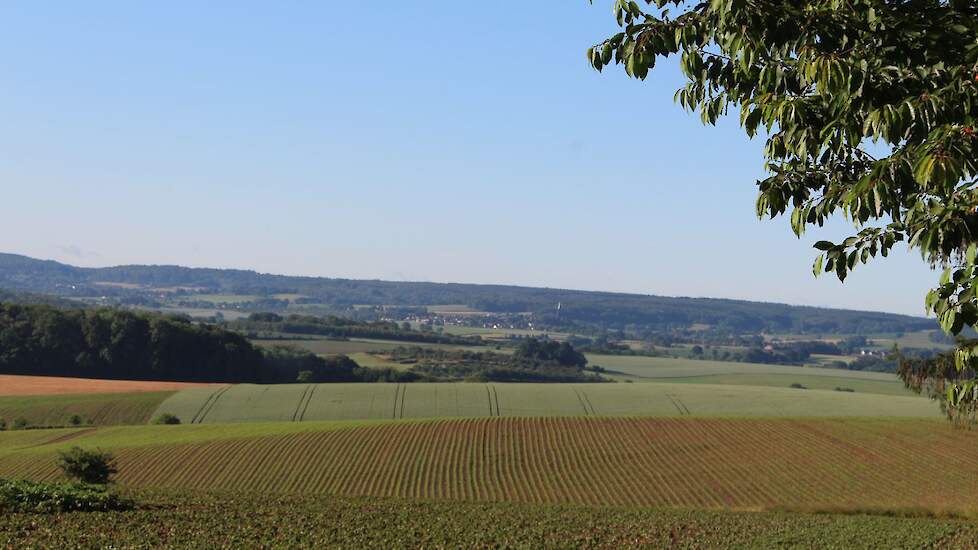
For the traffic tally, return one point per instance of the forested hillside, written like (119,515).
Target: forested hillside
(141,285)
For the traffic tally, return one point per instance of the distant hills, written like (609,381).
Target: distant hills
(148,284)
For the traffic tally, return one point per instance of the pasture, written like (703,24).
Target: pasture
(736,464)
(309,402)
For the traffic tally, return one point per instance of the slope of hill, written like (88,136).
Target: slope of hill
(137,284)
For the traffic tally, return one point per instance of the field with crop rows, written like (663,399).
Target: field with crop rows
(288,521)
(682,462)
(307,402)
(99,409)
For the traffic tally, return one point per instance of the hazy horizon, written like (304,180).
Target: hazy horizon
(289,139)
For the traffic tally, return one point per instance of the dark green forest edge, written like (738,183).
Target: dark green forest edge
(121,344)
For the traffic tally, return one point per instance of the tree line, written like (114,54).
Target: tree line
(126,345)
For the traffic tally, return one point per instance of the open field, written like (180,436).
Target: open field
(324,346)
(223,298)
(11,384)
(502,333)
(96,408)
(748,464)
(663,369)
(285,521)
(308,402)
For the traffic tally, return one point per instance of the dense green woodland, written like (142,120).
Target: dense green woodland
(119,344)
(107,343)
(580,310)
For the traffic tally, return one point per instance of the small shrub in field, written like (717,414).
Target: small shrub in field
(304,376)
(75,420)
(19,424)
(166,418)
(3,424)
(844,389)
(29,496)
(796,385)
(96,467)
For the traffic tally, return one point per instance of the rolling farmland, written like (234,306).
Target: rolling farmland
(309,402)
(846,464)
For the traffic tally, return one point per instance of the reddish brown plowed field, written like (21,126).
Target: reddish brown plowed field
(53,385)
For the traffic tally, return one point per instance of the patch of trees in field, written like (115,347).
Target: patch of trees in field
(257,324)
(533,361)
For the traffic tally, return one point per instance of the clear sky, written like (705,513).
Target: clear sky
(421,140)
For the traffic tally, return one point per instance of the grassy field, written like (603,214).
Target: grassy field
(746,464)
(659,369)
(260,520)
(99,408)
(308,402)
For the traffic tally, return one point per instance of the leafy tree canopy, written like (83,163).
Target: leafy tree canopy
(831,84)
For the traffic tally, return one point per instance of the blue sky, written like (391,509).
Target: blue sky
(423,140)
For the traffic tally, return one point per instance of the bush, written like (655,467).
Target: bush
(29,496)
(19,424)
(96,467)
(844,389)
(798,386)
(3,424)
(166,418)
(75,420)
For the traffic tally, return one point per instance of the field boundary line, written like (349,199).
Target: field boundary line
(208,405)
(489,397)
(495,397)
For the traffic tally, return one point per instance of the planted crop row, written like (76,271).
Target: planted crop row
(688,462)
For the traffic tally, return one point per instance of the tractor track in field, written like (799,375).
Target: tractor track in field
(208,405)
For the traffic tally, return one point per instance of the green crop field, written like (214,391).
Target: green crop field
(245,520)
(308,402)
(659,369)
(101,409)
(743,464)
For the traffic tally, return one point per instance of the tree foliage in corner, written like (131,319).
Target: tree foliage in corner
(830,83)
